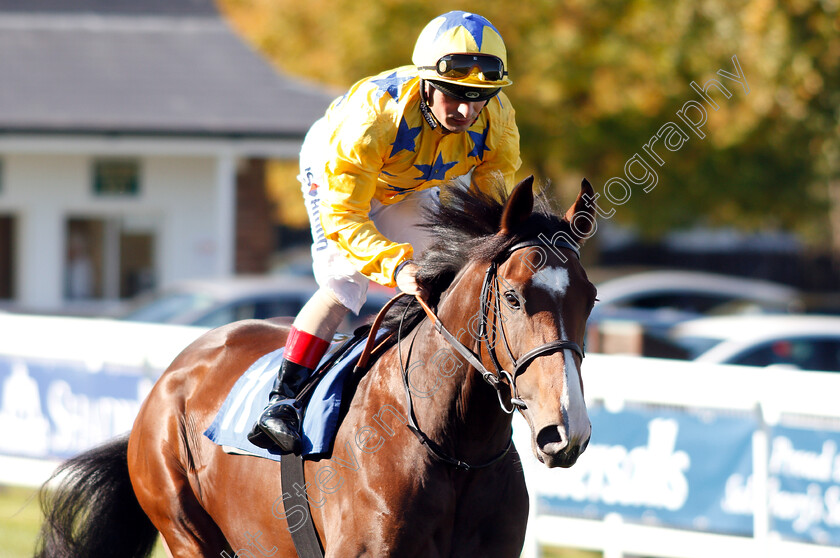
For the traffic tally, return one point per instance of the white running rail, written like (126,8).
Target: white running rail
(771,395)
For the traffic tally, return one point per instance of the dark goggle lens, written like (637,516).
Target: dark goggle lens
(467,94)
(458,66)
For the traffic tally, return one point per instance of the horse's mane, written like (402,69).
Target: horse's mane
(465,227)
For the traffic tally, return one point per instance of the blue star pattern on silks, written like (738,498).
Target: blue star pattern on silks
(479,143)
(472,23)
(436,171)
(397,190)
(390,84)
(405,139)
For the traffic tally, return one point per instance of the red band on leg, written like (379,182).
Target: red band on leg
(304,349)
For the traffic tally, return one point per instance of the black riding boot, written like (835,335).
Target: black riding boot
(279,424)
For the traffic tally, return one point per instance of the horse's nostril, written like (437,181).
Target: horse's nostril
(553,437)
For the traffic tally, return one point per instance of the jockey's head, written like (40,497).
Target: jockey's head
(463,56)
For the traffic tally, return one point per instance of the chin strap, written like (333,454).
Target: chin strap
(424,107)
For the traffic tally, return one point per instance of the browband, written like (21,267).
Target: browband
(539,243)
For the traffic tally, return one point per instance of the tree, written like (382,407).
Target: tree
(594,81)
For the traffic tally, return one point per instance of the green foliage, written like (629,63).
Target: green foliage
(594,80)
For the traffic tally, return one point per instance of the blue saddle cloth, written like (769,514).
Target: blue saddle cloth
(249,396)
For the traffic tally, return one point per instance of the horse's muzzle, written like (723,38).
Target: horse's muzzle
(553,447)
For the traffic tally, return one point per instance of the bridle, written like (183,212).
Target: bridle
(499,377)
(519,365)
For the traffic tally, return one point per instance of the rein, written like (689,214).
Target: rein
(496,378)
(431,446)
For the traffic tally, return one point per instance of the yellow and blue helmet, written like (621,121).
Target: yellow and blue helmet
(463,50)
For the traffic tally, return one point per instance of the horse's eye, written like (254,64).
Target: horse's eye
(512,300)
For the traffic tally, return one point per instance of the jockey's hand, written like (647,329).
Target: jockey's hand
(407,281)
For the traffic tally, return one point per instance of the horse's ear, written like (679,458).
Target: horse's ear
(518,206)
(581,215)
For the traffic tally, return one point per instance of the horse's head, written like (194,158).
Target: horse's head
(520,260)
(545,301)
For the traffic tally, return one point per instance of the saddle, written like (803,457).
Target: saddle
(325,397)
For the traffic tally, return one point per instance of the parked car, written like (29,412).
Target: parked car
(215,302)
(659,299)
(806,342)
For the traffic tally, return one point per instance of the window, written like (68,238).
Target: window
(7,256)
(83,266)
(259,309)
(807,354)
(116,177)
(107,258)
(686,301)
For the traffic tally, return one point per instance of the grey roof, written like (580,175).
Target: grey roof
(106,7)
(170,67)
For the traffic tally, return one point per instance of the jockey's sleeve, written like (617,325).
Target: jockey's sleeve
(357,146)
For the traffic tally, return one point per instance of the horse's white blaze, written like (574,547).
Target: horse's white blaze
(553,279)
(573,404)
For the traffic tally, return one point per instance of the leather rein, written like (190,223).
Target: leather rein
(496,378)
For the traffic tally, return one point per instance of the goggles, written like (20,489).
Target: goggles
(468,94)
(458,66)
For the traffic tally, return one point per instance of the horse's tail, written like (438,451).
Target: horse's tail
(93,512)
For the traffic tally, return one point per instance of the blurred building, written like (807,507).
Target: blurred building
(133,135)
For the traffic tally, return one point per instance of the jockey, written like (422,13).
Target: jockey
(369,167)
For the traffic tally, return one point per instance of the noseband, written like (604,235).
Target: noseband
(499,377)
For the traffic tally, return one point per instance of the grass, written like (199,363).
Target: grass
(550,552)
(20,519)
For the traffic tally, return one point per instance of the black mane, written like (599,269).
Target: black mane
(465,227)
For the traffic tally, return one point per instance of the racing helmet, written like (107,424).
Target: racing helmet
(463,50)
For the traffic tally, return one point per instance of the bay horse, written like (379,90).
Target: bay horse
(422,465)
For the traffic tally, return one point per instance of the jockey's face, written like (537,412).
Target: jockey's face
(453,114)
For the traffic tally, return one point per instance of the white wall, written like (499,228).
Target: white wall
(182,190)
(179,199)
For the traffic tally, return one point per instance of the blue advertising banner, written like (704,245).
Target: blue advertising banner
(804,487)
(659,467)
(57,409)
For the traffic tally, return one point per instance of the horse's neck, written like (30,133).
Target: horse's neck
(453,405)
